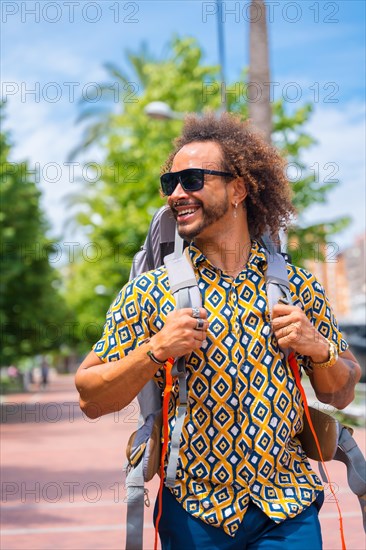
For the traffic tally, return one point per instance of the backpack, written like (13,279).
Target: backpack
(163,245)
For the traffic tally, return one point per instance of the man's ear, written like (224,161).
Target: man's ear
(239,190)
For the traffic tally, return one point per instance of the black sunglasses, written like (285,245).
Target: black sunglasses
(191,179)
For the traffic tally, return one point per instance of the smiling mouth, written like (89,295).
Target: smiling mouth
(186,213)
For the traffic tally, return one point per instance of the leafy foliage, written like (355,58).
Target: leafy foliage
(32,312)
(304,240)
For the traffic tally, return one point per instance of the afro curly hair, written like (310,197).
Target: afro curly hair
(247,155)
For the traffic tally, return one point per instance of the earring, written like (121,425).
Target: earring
(235,210)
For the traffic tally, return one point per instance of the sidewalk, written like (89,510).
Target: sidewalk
(62,481)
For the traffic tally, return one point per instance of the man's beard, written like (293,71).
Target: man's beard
(209,216)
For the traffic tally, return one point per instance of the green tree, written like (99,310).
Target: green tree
(117,209)
(304,240)
(32,312)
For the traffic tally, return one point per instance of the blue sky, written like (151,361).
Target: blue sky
(317,53)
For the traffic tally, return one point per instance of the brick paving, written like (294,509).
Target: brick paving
(62,481)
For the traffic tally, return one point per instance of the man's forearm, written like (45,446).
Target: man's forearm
(109,387)
(336,385)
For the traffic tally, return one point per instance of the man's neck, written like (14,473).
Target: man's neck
(229,255)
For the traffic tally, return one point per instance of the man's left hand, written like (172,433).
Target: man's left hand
(294,330)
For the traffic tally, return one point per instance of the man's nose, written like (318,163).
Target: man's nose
(178,193)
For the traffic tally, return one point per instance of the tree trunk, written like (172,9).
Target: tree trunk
(260,111)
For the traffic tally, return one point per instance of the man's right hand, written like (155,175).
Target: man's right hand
(182,333)
(107,387)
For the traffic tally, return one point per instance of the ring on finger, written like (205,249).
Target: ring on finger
(200,324)
(195,312)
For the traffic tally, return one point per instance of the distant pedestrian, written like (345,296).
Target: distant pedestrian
(44,373)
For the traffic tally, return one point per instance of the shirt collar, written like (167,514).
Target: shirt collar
(256,261)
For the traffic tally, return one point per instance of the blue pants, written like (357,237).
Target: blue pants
(179,530)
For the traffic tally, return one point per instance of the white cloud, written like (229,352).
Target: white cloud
(46,142)
(44,63)
(341,145)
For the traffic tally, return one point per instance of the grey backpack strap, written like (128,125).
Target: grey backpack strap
(158,243)
(149,400)
(347,450)
(277,284)
(177,431)
(135,508)
(183,285)
(350,454)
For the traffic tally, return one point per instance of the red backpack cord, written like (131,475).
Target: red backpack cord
(166,396)
(295,371)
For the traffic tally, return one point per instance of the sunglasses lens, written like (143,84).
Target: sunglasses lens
(190,179)
(168,183)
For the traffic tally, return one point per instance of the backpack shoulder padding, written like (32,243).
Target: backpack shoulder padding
(158,243)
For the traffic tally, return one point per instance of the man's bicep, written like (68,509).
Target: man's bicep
(91,360)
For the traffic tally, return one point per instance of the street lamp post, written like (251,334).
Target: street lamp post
(220,34)
(162,111)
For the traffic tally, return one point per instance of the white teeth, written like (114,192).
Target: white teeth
(184,212)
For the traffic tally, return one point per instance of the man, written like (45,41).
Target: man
(242,480)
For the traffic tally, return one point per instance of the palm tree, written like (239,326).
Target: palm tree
(259,73)
(98,118)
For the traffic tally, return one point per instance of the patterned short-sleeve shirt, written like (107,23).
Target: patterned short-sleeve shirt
(239,438)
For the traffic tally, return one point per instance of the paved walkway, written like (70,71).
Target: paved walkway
(62,483)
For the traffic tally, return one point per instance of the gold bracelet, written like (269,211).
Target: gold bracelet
(333,358)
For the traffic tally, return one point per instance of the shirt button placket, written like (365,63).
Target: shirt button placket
(235,326)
